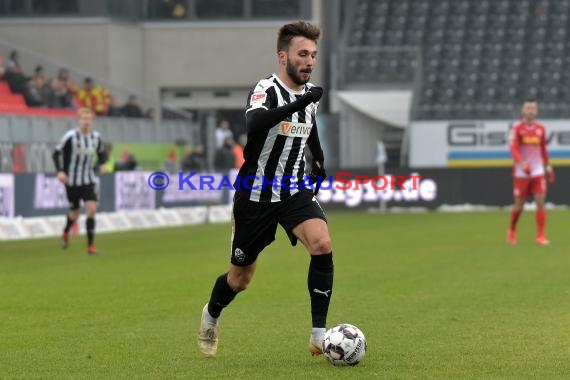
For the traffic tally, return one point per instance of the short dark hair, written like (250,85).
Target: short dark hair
(297,29)
(530,100)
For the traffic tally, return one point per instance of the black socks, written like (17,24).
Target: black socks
(90,227)
(68,224)
(221,296)
(320,283)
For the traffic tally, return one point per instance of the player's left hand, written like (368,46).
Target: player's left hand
(317,175)
(550,174)
(62,177)
(104,169)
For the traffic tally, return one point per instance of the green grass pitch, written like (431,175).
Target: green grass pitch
(438,296)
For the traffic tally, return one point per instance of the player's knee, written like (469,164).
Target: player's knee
(321,244)
(239,285)
(518,205)
(90,209)
(240,282)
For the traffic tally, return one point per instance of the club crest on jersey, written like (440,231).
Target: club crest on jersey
(239,255)
(258,98)
(291,129)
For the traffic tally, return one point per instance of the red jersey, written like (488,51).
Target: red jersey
(528,144)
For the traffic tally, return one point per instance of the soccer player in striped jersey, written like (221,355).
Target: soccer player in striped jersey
(73,159)
(270,189)
(528,148)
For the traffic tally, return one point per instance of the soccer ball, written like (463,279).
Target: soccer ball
(344,344)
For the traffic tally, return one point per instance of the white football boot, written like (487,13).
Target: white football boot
(316,341)
(208,334)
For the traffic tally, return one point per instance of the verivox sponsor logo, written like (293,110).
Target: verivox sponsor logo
(292,129)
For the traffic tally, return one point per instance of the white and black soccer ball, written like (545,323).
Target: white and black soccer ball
(344,344)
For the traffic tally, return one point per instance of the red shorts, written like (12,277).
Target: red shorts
(525,187)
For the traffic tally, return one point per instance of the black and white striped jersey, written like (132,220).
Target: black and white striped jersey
(74,155)
(274,166)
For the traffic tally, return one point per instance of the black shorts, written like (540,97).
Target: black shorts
(76,193)
(254,224)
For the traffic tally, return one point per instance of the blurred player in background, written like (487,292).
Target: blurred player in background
(531,169)
(281,121)
(73,159)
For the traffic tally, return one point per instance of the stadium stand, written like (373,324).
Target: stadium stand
(39,95)
(39,126)
(15,104)
(471,58)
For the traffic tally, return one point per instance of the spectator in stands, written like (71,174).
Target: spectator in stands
(194,160)
(127,162)
(199,158)
(132,108)
(186,162)
(63,90)
(224,159)
(38,92)
(179,10)
(171,163)
(2,66)
(39,71)
(168,9)
(15,76)
(222,132)
(13,64)
(114,109)
(238,151)
(94,97)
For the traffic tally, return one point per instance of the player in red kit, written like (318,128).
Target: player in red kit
(530,170)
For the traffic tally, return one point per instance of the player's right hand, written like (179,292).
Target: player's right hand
(526,168)
(550,174)
(314,94)
(62,177)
